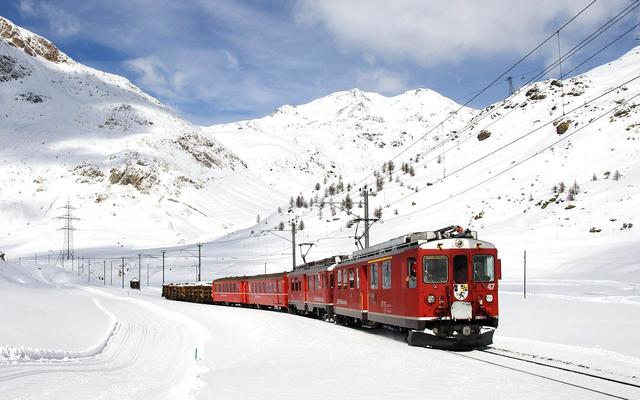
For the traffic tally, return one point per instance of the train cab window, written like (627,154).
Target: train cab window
(374,276)
(483,269)
(386,274)
(352,279)
(435,269)
(411,272)
(331,280)
(460,269)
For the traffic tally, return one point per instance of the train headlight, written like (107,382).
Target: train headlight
(431,299)
(489,298)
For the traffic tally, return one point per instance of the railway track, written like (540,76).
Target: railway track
(561,372)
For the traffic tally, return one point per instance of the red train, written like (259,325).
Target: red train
(439,286)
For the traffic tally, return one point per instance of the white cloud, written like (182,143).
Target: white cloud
(60,22)
(432,31)
(382,81)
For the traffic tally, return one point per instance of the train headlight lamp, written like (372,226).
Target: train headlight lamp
(489,298)
(431,299)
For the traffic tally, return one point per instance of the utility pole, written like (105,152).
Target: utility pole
(510,80)
(265,268)
(89,273)
(35,259)
(366,192)
(199,261)
(293,243)
(67,248)
(104,272)
(139,277)
(525,275)
(163,251)
(122,272)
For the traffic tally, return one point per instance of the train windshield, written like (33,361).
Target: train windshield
(483,269)
(435,269)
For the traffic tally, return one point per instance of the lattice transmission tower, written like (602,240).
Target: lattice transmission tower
(67,247)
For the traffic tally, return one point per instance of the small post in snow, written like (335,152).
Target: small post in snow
(123,272)
(196,354)
(89,272)
(163,251)
(525,275)
(104,272)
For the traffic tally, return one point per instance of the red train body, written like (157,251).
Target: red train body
(440,286)
(268,290)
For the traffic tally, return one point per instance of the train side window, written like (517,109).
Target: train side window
(460,269)
(483,269)
(357,278)
(435,269)
(331,280)
(318,281)
(339,279)
(352,278)
(411,272)
(374,276)
(386,274)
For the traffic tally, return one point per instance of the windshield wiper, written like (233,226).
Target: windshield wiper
(430,278)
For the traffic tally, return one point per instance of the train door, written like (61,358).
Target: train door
(374,286)
(305,290)
(363,275)
(461,307)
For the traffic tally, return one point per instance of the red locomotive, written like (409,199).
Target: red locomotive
(439,286)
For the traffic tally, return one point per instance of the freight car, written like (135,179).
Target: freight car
(441,287)
(193,292)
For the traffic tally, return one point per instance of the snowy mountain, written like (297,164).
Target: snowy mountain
(344,133)
(552,170)
(135,172)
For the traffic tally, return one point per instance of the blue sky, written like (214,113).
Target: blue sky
(217,61)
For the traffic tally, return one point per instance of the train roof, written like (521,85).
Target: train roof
(318,265)
(452,235)
(249,277)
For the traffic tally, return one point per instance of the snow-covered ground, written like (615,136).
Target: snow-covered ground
(91,341)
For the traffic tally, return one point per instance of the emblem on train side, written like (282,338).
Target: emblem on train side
(460,291)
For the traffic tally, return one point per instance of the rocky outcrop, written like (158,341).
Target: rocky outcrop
(10,70)
(208,152)
(32,44)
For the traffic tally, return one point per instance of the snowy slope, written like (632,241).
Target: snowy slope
(494,173)
(135,172)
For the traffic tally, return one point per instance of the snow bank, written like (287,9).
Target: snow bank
(11,354)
